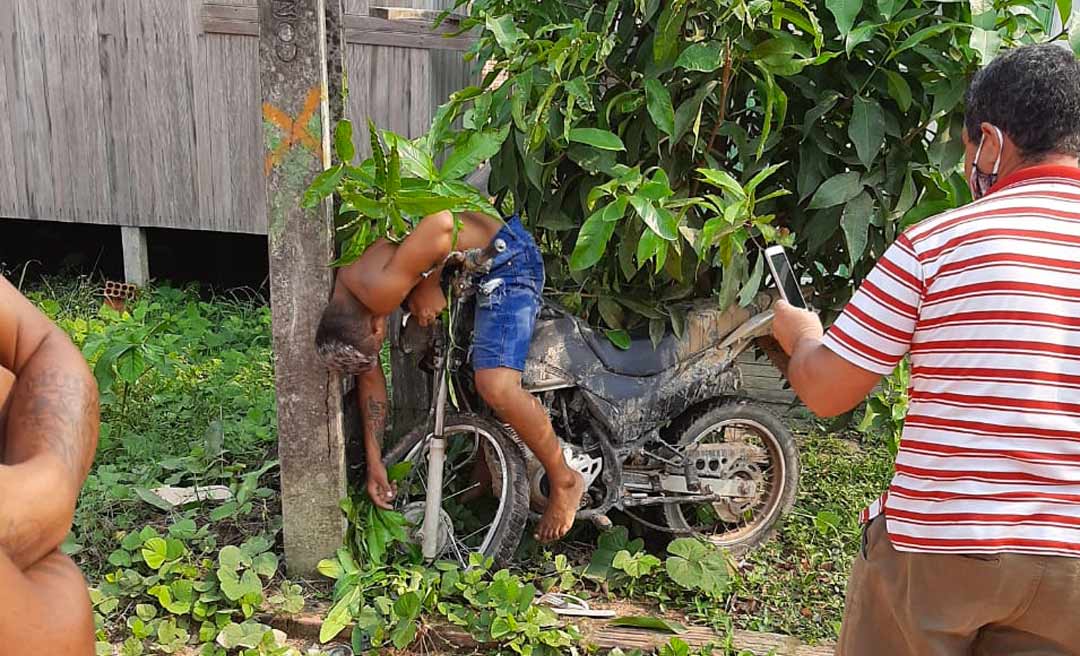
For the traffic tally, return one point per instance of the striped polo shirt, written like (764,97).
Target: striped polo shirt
(985,300)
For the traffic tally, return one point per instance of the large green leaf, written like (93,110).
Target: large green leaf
(479,147)
(155,553)
(985,42)
(322,186)
(703,57)
(620,338)
(845,12)
(416,161)
(689,112)
(595,234)
(698,566)
(828,101)
(610,543)
(753,284)
(924,34)
(836,190)
(1074,29)
(668,30)
(867,129)
(855,222)
(423,203)
(650,623)
(659,219)
(724,181)
(735,274)
(860,35)
(658,100)
(507,34)
(649,246)
(338,618)
(343,143)
(597,138)
(899,89)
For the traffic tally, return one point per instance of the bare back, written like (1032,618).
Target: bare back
(386,272)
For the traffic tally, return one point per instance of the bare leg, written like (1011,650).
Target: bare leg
(502,391)
(46,609)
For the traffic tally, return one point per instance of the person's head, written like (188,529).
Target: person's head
(1022,109)
(349,336)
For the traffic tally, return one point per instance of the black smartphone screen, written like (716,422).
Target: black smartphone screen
(784,276)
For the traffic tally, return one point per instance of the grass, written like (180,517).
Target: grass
(193,402)
(188,398)
(795,583)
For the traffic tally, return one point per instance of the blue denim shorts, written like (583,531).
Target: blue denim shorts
(508,301)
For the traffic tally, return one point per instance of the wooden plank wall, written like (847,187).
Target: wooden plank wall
(146,112)
(762,382)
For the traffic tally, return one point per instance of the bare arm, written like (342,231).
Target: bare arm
(45,609)
(427,300)
(826,383)
(371,393)
(50,432)
(371,389)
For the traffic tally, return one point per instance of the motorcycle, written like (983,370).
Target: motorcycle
(659,431)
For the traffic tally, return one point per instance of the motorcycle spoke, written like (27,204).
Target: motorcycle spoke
(483,528)
(462,491)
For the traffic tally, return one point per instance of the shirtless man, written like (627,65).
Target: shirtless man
(48,433)
(353,327)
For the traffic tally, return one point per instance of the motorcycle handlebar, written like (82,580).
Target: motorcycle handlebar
(474,260)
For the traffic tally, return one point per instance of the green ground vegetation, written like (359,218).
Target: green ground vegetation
(188,400)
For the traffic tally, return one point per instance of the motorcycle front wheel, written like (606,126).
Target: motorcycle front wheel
(767,455)
(485,500)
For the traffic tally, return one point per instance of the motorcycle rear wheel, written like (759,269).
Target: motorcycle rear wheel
(742,421)
(500,512)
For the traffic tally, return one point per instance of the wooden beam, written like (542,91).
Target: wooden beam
(369,30)
(228,19)
(409,13)
(136,257)
(297,51)
(394,27)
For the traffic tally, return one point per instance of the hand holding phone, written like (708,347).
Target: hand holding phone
(784,276)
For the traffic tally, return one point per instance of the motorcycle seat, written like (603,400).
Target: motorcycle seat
(640,360)
(706,326)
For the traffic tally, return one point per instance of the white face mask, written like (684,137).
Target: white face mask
(980,182)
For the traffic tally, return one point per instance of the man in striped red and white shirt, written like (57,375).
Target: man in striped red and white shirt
(975,547)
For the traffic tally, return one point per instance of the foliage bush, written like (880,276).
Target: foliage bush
(171,590)
(187,398)
(652,145)
(888,406)
(383,589)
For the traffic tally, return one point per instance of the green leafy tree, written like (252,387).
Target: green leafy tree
(652,145)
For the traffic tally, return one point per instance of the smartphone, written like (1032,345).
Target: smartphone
(784,276)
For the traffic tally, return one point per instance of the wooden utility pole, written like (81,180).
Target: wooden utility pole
(300,73)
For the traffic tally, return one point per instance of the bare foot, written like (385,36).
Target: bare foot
(563,504)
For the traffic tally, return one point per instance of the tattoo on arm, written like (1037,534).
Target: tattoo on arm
(375,420)
(54,410)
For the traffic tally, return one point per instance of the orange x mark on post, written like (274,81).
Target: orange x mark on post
(294,129)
